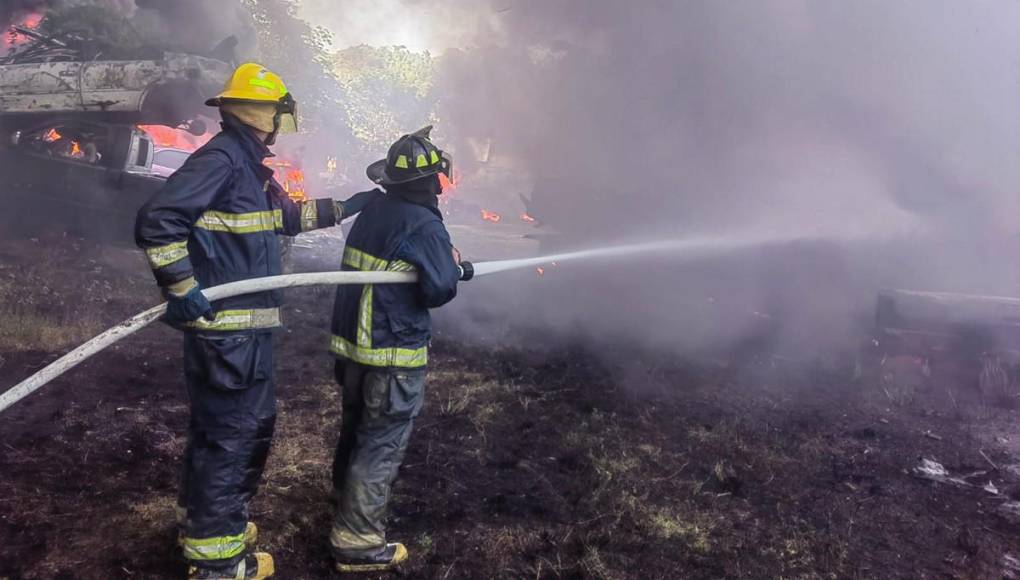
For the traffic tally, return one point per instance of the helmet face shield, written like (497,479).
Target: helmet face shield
(446,164)
(286,115)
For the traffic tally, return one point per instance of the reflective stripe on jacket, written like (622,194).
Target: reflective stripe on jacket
(388,325)
(217,219)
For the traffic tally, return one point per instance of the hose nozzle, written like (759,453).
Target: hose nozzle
(467,271)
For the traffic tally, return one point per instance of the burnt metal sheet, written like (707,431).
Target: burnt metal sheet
(103,86)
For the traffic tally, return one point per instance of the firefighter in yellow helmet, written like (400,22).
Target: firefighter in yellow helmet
(217,220)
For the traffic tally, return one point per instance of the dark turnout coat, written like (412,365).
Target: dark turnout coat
(388,325)
(218,219)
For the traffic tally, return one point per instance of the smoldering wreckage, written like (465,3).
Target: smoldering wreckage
(538,452)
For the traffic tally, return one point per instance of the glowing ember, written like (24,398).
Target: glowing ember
(527,218)
(491,216)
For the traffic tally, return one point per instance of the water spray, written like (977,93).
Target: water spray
(139,321)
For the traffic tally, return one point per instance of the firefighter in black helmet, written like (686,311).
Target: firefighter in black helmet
(381,338)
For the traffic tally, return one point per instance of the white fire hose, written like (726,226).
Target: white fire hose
(140,321)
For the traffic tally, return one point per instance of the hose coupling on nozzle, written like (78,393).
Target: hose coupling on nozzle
(467,271)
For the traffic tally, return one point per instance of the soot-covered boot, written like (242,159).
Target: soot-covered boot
(389,556)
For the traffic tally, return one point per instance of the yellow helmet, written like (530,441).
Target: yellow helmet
(254,83)
(251,83)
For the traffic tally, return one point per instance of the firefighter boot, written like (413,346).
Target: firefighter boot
(254,566)
(385,558)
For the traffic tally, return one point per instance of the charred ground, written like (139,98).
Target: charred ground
(524,464)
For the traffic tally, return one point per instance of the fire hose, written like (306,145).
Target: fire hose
(254,285)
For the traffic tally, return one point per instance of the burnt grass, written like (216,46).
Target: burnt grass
(525,463)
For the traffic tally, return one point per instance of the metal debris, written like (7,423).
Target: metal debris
(935,471)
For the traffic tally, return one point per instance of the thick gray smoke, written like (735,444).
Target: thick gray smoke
(882,133)
(196,25)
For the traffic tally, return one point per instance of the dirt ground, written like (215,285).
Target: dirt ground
(525,463)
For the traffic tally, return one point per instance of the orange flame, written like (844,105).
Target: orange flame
(76,149)
(527,218)
(447,184)
(51,136)
(164,136)
(491,216)
(30,21)
(289,177)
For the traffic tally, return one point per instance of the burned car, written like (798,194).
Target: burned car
(71,151)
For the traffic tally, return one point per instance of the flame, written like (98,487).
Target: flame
(51,136)
(491,216)
(289,177)
(540,270)
(446,183)
(30,21)
(527,218)
(76,149)
(164,136)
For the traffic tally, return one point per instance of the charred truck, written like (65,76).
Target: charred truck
(72,156)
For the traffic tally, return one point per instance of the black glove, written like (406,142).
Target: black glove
(357,202)
(190,307)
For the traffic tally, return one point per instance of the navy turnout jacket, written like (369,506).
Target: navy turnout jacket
(388,325)
(217,219)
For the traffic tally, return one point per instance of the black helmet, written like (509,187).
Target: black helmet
(412,157)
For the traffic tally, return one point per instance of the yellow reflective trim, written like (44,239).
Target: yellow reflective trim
(401,162)
(359,260)
(380,357)
(262,83)
(421,161)
(309,216)
(217,548)
(230,320)
(241,223)
(435,157)
(401,266)
(364,261)
(163,256)
(365,318)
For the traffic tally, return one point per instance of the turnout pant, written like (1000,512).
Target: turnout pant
(379,407)
(233,412)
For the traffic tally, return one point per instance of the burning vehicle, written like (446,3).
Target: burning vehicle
(72,151)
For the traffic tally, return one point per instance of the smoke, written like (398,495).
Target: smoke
(881,133)
(196,25)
